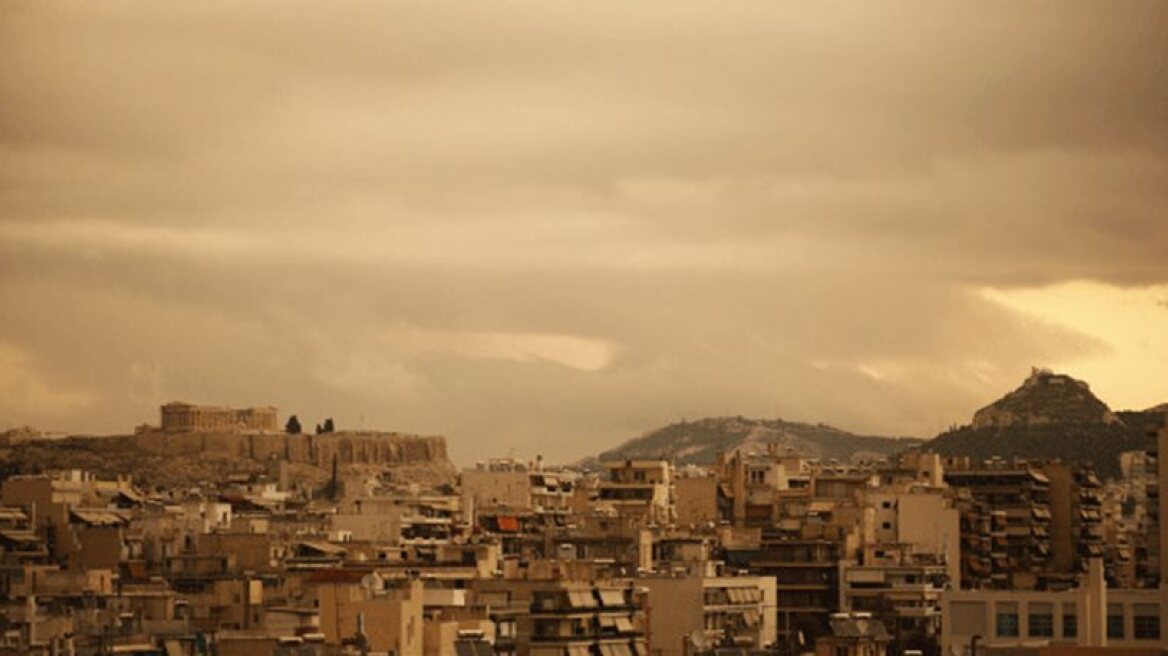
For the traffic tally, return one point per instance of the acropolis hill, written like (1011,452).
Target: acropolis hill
(186,450)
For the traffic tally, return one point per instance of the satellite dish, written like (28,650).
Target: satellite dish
(697,638)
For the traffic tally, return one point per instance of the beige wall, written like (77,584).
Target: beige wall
(439,637)
(252,551)
(393,622)
(969,612)
(100,547)
(487,489)
(677,609)
(1062,543)
(370,527)
(697,499)
(924,521)
(246,646)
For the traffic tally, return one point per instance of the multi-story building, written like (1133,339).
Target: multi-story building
(755,486)
(1089,615)
(1017,499)
(571,615)
(639,488)
(707,609)
(806,570)
(900,588)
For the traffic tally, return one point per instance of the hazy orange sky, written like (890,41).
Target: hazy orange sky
(548,227)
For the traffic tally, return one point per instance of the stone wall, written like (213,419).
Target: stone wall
(350,447)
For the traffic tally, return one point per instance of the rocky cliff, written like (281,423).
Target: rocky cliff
(189,458)
(1051,416)
(1046,398)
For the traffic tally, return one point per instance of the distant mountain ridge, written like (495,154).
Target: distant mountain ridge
(698,442)
(1051,416)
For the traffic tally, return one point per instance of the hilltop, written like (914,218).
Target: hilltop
(193,458)
(1049,416)
(698,442)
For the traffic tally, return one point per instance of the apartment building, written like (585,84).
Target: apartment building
(639,488)
(571,614)
(1089,615)
(695,610)
(1016,499)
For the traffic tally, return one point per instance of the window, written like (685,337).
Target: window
(1146,622)
(886,525)
(1006,620)
(886,505)
(1041,620)
(1070,621)
(1115,621)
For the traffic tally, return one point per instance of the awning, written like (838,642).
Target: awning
(624,625)
(19,537)
(821,507)
(581,599)
(508,523)
(616,649)
(612,598)
(98,517)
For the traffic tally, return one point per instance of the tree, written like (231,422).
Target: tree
(293,426)
(319,430)
(328,425)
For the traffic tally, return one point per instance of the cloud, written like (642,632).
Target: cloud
(1130,322)
(555,227)
(25,391)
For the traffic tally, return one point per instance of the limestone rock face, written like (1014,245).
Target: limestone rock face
(1046,398)
(350,447)
(1052,416)
(154,456)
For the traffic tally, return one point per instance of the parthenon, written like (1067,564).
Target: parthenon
(185,417)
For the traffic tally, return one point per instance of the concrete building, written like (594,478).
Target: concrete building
(925,519)
(738,610)
(509,488)
(697,499)
(639,488)
(572,614)
(1016,498)
(389,617)
(900,589)
(1090,615)
(853,634)
(1076,524)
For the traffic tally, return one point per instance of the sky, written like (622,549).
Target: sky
(545,228)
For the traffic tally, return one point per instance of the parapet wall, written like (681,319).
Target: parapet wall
(350,447)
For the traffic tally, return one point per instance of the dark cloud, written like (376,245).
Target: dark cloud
(531,227)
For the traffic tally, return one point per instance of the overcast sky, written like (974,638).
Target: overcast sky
(548,227)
